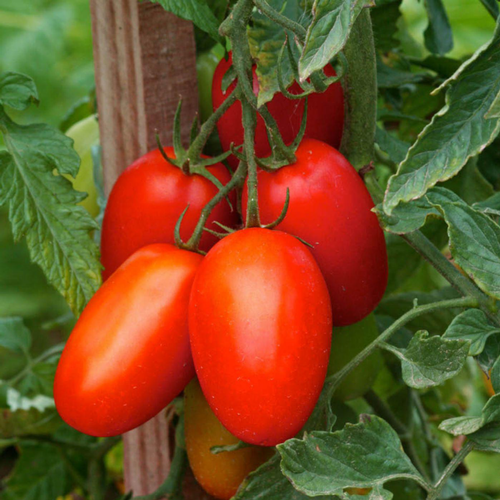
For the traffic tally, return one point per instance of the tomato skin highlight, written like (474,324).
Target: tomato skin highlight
(219,475)
(129,355)
(260,330)
(148,199)
(347,342)
(325,114)
(330,208)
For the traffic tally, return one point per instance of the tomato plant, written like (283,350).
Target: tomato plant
(85,133)
(347,342)
(148,199)
(116,371)
(257,300)
(325,115)
(346,239)
(221,474)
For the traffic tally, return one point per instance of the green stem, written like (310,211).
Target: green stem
(360,93)
(333,381)
(450,469)
(173,482)
(464,285)
(297,29)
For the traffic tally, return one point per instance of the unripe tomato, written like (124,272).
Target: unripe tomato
(325,114)
(347,342)
(128,355)
(206,62)
(330,208)
(260,330)
(85,134)
(219,475)
(148,199)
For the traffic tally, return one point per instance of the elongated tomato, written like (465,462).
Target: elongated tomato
(260,329)
(330,208)
(128,355)
(220,475)
(148,199)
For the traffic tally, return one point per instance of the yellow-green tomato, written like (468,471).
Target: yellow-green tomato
(348,341)
(206,63)
(220,475)
(85,134)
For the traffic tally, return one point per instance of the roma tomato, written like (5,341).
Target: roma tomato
(325,114)
(146,202)
(85,134)
(330,208)
(260,330)
(128,355)
(347,342)
(219,475)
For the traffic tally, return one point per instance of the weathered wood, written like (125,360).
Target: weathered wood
(145,59)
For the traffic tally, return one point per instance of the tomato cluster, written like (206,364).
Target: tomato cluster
(252,318)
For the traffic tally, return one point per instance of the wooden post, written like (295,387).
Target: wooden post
(145,59)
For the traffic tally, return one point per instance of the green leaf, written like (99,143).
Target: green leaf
(328,32)
(468,425)
(490,205)
(456,133)
(365,455)
(17,91)
(27,422)
(389,77)
(196,11)
(42,208)
(390,144)
(487,438)
(472,325)
(429,361)
(266,40)
(494,111)
(14,335)
(491,7)
(490,354)
(385,16)
(438,35)
(495,376)
(40,474)
(268,483)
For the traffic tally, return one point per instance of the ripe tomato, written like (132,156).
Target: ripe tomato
(146,202)
(219,475)
(128,355)
(330,208)
(325,114)
(85,134)
(347,342)
(260,330)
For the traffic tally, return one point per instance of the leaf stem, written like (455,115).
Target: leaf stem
(450,469)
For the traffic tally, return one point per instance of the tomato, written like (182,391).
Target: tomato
(260,330)
(85,134)
(148,199)
(128,355)
(219,475)
(347,342)
(325,114)
(206,63)
(330,208)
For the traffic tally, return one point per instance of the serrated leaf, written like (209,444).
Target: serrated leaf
(429,361)
(40,474)
(468,425)
(490,354)
(27,422)
(490,205)
(14,335)
(494,111)
(385,16)
(42,208)
(266,40)
(438,35)
(495,376)
(17,91)
(472,325)
(388,77)
(365,455)
(487,438)
(196,11)
(328,32)
(392,145)
(456,133)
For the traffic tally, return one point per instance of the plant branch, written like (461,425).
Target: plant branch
(297,29)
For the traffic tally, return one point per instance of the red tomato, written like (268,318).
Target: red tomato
(325,114)
(129,355)
(260,329)
(219,475)
(146,202)
(330,208)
